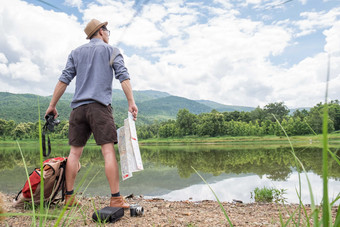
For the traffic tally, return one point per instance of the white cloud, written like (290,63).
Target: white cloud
(3,58)
(217,58)
(333,39)
(154,12)
(303,2)
(225,4)
(225,58)
(36,42)
(74,3)
(195,50)
(148,34)
(316,20)
(25,69)
(3,69)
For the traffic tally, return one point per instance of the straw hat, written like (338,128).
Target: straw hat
(92,27)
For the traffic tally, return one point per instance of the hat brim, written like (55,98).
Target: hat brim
(96,28)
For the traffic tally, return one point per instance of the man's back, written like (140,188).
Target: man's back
(90,63)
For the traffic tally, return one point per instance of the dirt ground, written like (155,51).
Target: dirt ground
(158,212)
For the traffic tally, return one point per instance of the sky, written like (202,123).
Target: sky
(235,52)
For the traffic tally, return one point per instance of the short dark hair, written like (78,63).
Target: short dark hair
(96,33)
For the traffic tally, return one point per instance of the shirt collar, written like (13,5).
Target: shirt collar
(96,40)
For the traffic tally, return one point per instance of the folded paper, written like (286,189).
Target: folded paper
(130,157)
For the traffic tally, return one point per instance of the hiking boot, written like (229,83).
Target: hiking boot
(73,201)
(119,202)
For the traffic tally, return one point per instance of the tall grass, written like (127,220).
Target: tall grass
(43,213)
(326,217)
(41,172)
(326,214)
(221,206)
(29,183)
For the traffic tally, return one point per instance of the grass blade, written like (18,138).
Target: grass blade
(66,206)
(315,216)
(29,184)
(225,213)
(41,172)
(325,205)
(337,219)
(304,208)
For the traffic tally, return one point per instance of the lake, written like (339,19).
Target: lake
(233,171)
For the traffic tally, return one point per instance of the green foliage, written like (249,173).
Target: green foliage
(153,106)
(268,195)
(315,117)
(221,206)
(167,107)
(185,122)
(278,109)
(239,160)
(165,116)
(225,108)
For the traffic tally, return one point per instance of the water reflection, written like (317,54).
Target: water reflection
(239,188)
(233,171)
(275,163)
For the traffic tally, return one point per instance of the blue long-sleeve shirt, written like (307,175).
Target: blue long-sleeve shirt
(91,64)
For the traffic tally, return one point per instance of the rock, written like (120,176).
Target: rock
(237,201)
(154,209)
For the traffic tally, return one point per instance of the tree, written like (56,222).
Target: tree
(8,128)
(2,127)
(278,109)
(300,114)
(168,129)
(21,130)
(258,115)
(245,116)
(210,124)
(334,113)
(185,121)
(300,127)
(64,130)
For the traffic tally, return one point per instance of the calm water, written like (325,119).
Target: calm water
(232,171)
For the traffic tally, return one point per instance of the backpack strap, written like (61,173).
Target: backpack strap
(44,142)
(62,182)
(115,53)
(16,197)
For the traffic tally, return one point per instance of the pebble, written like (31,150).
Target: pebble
(154,209)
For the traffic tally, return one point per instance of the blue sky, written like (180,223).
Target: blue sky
(236,52)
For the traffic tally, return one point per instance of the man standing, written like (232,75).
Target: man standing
(93,65)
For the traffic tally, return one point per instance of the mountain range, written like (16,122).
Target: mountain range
(152,105)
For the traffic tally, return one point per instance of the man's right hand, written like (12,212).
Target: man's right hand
(53,110)
(133,109)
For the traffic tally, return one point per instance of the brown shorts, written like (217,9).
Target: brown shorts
(92,118)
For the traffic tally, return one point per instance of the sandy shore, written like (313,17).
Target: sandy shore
(158,212)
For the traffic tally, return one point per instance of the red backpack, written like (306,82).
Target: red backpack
(54,182)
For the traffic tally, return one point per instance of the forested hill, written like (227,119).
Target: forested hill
(153,105)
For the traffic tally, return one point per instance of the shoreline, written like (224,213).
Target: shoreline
(225,138)
(159,212)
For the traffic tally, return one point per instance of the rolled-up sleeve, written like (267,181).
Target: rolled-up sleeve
(69,72)
(121,72)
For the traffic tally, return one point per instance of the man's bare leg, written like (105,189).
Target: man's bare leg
(72,166)
(111,167)
(112,175)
